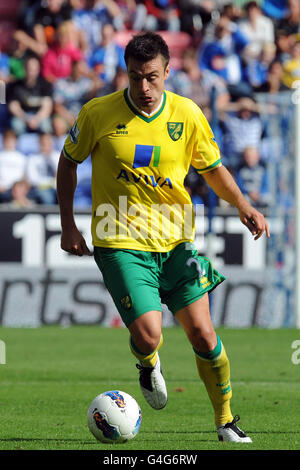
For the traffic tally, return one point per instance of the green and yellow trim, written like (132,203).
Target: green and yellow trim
(210,167)
(140,115)
(211,355)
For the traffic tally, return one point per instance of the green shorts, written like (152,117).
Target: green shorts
(140,281)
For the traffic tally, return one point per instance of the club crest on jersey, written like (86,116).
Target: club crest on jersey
(175,130)
(126,302)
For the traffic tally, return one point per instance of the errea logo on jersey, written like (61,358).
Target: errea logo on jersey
(121,129)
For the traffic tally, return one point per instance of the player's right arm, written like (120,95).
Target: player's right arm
(72,240)
(78,146)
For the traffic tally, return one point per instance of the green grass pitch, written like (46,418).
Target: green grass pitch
(52,374)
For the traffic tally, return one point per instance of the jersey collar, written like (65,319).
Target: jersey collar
(139,112)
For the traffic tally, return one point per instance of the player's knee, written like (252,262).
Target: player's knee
(146,343)
(203,339)
(146,332)
(150,342)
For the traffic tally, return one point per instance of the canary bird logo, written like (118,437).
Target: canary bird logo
(175,130)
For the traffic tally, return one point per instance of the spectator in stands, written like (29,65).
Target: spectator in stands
(30,101)
(275,9)
(4,79)
(48,18)
(291,68)
(57,62)
(4,67)
(70,93)
(17,58)
(284,42)
(133,15)
(256,71)
(192,82)
(257,28)
(20,195)
(39,33)
(291,21)
(196,187)
(119,83)
(234,10)
(242,128)
(273,83)
(222,55)
(89,16)
(195,16)
(108,56)
(162,15)
(252,178)
(107,11)
(41,172)
(88,24)
(60,131)
(12,165)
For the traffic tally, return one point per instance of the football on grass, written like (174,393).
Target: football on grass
(114,417)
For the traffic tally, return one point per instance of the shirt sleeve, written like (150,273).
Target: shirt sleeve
(206,154)
(81,138)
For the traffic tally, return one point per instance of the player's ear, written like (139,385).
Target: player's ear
(167,71)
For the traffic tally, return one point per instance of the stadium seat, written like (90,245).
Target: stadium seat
(177,42)
(8,9)
(6,31)
(123,37)
(8,20)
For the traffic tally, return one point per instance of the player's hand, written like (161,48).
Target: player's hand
(73,242)
(255,222)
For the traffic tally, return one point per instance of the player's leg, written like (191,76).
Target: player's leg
(211,358)
(189,278)
(130,278)
(146,337)
(145,340)
(213,366)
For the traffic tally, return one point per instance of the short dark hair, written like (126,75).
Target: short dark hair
(251,4)
(146,46)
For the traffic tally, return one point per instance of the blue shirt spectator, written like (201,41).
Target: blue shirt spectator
(4,77)
(108,56)
(222,55)
(4,66)
(89,17)
(256,71)
(276,9)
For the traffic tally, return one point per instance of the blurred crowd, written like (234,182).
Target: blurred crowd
(62,53)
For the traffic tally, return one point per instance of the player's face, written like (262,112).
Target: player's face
(147,82)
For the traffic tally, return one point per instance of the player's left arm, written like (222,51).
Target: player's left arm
(225,187)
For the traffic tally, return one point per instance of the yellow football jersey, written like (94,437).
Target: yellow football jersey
(139,165)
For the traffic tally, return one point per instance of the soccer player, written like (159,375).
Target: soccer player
(142,141)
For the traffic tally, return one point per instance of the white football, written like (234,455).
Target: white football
(114,417)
